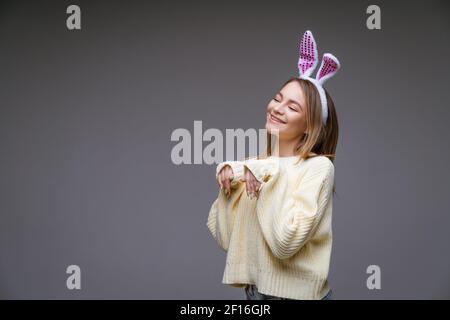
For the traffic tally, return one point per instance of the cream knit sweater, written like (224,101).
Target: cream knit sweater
(280,242)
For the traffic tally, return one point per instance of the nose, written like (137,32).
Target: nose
(278,108)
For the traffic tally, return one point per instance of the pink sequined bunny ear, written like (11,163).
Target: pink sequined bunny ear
(308,55)
(330,65)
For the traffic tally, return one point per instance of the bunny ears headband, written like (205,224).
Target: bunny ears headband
(307,62)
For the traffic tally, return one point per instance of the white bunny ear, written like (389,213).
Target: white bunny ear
(329,67)
(308,55)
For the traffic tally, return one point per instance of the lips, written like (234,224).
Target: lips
(275,119)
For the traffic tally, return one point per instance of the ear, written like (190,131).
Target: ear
(308,55)
(329,67)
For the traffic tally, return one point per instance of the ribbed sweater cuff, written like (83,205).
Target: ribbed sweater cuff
(262,169)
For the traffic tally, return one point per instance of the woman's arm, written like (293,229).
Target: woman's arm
(288,217)
(222,213)
(223,210)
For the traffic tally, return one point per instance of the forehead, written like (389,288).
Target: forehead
(293,91)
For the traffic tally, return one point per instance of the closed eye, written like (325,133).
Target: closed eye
(278,97)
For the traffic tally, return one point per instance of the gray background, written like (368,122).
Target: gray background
(86,118)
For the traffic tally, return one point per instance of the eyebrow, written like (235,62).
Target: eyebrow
(290,100)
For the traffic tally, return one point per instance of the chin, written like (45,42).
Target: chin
(270,128)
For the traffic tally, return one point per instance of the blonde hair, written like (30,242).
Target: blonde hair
(320,139)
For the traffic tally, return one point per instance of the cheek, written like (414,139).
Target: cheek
(296,123)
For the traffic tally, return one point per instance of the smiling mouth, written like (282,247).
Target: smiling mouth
(275,119)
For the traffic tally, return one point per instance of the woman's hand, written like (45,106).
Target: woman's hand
(252,185)
(224,179)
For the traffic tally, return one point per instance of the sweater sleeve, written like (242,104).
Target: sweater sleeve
(222,213)
(288,218)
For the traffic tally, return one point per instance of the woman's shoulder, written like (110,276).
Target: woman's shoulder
(319,159)
(314,162)
(319,162)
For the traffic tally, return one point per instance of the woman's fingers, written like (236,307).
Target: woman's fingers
(247,182)
(221,178)
(229,178)
(224,182)
(254,191)
(227,185)
(252,184)
(224,177)
(258,184)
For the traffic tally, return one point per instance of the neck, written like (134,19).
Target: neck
(285,148)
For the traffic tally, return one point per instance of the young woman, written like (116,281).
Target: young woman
(273,213)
